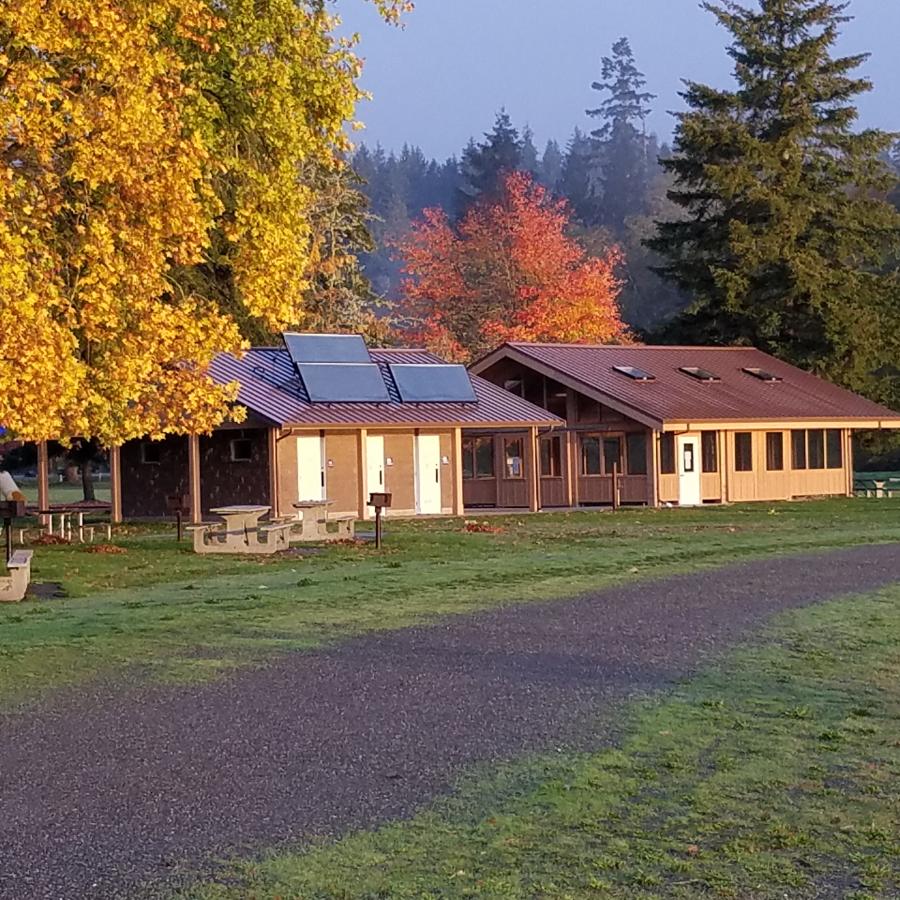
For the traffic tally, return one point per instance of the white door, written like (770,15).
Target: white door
(689,493)
(374,466)
(428,474)
(311,467)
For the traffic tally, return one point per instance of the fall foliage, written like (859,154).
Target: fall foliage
(507,272)
(151,152)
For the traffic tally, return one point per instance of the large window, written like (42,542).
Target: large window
(710,451)
(478,457)
(612,456)
(798,449)
(743,451)
(636,451)
(667,454)
(599,455)
(815,448)
(834,449)
(551,457)
(514,462)
(590,455)
(774,451)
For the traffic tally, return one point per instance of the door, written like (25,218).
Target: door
(310,467)
(374,466)
(428,474)
(689,470)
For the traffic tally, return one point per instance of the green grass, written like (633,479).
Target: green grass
(776,774)
(158,604)
(63,492)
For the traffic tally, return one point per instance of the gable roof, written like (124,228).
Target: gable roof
(271,389)
(675,397)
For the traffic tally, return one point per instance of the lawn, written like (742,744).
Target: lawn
(164,612)
(775,774)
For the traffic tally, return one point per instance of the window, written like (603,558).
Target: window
(551,457)
(151,452)
(612,456)
(241,450)
(743,451)
(762,374)
(710,451)
(815,448)
(590,455)
(478,457)
(513,385)
(774,451)
(556,401)
(636,451)
(834,450)
(512,455)
(798,449)
(634,373)
(667,454)
(699,374)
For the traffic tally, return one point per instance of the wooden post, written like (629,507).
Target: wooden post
(532,472)
(570,473)
(115,484)
(43,479)
(272,456)
(725,465)
(194,478)
(653,469)
(362,474)
(848,461)
(615,486)
(456,458)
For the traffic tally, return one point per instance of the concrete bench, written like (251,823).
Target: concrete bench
(14,586)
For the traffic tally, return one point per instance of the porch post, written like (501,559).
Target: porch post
(194,478)
(43,478)
(362,474)
(272,454)
(115,483)
(653,469)
(848,461)
(532,472)
(570,473)
(456,459)
(724,465)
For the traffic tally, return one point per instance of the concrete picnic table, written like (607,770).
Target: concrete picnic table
(314,522)
(240,532)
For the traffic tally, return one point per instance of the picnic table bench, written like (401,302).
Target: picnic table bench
(14,585)
(314,521)
(240,532)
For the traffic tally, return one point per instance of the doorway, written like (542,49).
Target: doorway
(428,474)
(311,467)
(689,488)
(374,466)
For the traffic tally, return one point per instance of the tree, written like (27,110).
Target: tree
(576,181)
(622,148)
(484,166)
(150,195)
(785,231)
(551,165)
(508,271)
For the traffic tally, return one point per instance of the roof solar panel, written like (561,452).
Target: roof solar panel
(343,382)
(326,348)
(424,383)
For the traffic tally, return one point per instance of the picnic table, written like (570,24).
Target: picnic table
(877,487)
(314,522)
(240,531)
(64,513)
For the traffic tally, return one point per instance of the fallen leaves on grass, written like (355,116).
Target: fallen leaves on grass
(483,528)
(104,548)
(48,539)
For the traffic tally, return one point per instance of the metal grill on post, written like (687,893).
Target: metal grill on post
(179,505)
(379,502)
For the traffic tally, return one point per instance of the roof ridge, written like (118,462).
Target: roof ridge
(730,347)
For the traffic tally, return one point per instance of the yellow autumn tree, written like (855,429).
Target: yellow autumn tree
(151,199)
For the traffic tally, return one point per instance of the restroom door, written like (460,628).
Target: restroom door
(428,474)
(374,466)
(310,467)
(689,493)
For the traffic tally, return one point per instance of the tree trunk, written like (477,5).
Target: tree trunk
(87,479)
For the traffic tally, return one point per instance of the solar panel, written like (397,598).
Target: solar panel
(424,383)
(762,374)
(699,374)
(634,373)
(343,382)
(326,348)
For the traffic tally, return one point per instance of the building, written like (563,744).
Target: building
(680,425)
(329,419)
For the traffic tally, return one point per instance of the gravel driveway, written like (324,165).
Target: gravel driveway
(105,790)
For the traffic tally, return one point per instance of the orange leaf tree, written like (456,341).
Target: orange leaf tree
(507,272)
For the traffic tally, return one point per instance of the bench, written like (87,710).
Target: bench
(346,525)
(278,533)
(14,586)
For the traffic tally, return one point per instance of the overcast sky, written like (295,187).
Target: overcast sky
(442,78)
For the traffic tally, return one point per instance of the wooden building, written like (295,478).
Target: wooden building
(320,427)
(677,425)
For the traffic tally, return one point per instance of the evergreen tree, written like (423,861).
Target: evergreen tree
(623,161)
(576,181)
(785,234)
(484,165)
(528,158)
(551,165)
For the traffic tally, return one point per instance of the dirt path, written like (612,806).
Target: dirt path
(116,788)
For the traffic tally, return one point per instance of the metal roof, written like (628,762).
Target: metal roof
(270,388)
(673,396)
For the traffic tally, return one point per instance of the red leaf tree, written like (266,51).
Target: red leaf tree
(507,272)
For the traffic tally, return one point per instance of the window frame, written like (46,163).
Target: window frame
(551,440)
(157,447)
(668,464)
(232,444)
(838,435)
(739,438)
(470,452)
(508,474)
(798,448)
(583,468)
(709,446)
(631,438)
(816,464)
(774,459)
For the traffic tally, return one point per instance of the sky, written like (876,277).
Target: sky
(443,77)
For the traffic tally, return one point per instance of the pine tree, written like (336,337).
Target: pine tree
(623,160)
(785,234)
(484,165)
(551,165)
(576,181)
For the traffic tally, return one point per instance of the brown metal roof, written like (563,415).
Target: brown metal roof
(271,389)
(674,396)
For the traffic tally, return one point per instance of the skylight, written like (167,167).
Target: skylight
(699,374)
(634,373)
(762,374)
